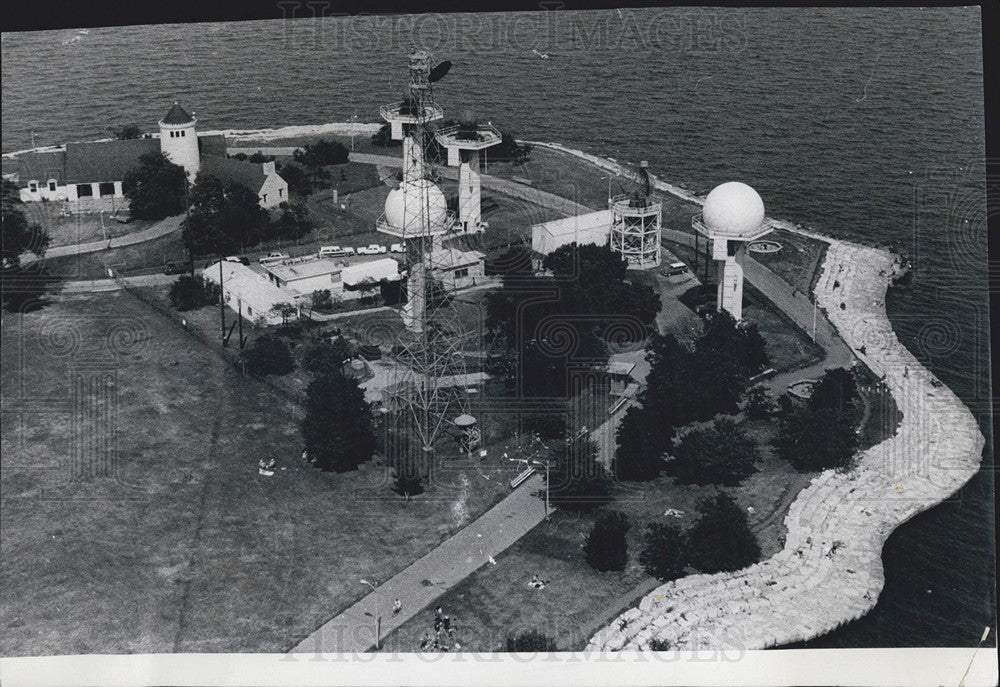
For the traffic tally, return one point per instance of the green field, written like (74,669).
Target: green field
(191,550)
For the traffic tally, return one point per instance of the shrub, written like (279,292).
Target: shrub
(607,547)
(665,551)
(721,540)
(327,356)
(190,292)
(758,404)
(530,640)
(268,355)
(659,645)
(816,439)
(721,454)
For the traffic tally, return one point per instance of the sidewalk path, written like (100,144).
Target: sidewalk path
(99,285)
(162,228)
(431,576)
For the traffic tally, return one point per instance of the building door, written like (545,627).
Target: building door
(84,191)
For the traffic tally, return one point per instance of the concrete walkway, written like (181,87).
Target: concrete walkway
(419,585)
(100,285)
(161,228)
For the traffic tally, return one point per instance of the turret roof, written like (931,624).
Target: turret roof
(177,115)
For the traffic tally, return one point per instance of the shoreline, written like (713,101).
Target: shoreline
(830,571)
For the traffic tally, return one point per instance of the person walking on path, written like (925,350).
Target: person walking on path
(397,606)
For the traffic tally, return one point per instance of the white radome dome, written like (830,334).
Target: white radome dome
(407,205)
(733,209)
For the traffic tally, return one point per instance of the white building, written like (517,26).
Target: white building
(259,178)
(457,269)
(375,271)
(590,228)
(248,292)
(90,175)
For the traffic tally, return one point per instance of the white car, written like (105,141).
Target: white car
(372,249)
(397,248)
(273,257)
(335,251)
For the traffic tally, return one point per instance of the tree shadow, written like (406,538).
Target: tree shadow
(28,288)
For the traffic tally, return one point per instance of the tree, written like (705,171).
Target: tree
(268,355)
(408,465)
(127,132)
(258,157)
(758,404)
(530,641)
(293,223)
(325,356)
(823,434)
(225,218)
(721,540)
(321,299)
(607,547)
(639,454)
(836,390)
(299,183)
(156,188)
(19,235)
(383,137)
(816,439)
(284,310)
(671,386)
(337,428)
(321,153)
(726,355)
(721,454)
(577,481)
(665,551)
(190,292)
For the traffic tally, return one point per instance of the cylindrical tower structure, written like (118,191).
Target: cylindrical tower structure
(636,230)
(179,140)
(463,142)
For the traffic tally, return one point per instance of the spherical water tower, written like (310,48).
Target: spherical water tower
(733,214)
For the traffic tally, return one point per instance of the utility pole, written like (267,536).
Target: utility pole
(814,321)
(222,301)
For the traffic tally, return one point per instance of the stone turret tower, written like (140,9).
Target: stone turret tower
(178,140)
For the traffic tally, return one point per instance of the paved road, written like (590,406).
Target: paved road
(353,631)
(800,309)
(162,228)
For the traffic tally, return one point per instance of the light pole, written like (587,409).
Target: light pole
(814,321)
(378,618)
(609,188)
(546,464)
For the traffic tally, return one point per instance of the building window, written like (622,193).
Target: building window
(265,197)
(33,186)
(84,190)
(464,272)
(249,310)
(281,192)
(183,133)
(107,188)
(52,184)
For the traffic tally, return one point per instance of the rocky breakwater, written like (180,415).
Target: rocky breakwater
(830,570)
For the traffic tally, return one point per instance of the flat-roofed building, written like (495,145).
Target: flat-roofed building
(590,228)
(249,292)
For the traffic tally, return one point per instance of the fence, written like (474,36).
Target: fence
(278,384)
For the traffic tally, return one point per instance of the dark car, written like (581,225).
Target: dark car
(370,352)
(175,268)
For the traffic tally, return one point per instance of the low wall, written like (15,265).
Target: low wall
(830,570)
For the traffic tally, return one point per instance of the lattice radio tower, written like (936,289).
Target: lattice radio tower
(429,390)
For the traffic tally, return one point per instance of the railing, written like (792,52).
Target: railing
(382,225)
(622,205)
(486,136)
(430,111)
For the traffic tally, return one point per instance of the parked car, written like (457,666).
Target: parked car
(273,257)
(233,258)
(372,249)
(122,219)
(335,251)
(175,268)
(397,248)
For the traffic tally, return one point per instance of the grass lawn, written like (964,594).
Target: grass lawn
(787,346)
(66,231)
(799,260)
(191,550)
(148,257)
(577,600)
